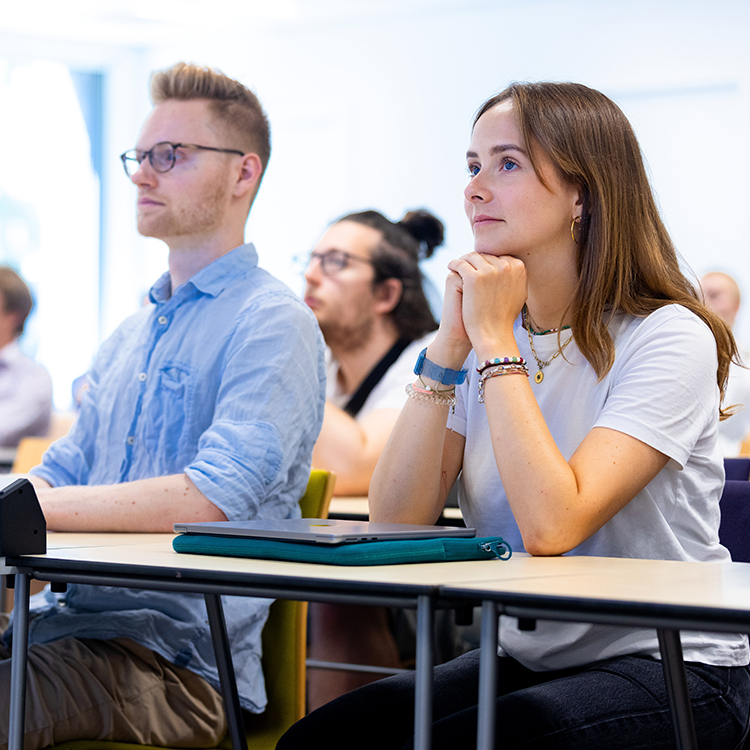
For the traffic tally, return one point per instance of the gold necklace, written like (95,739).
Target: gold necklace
(540,363)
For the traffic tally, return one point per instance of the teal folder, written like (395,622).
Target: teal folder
(361,553)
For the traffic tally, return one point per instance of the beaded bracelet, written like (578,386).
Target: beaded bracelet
(501,361)
(440,398)
(496,370)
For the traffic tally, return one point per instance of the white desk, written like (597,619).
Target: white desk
(666,595)
(69,540)
(128,560)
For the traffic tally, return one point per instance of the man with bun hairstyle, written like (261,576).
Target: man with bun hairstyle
(364,284)
(202,406)
(365,287)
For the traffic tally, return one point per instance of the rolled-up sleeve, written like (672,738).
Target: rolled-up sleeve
(268,413)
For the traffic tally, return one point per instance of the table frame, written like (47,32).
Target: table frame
(213,584)
(668,620)
(522,589)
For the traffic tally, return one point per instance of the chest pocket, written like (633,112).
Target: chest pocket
(169,413)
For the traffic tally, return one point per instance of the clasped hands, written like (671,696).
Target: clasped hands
(484,294)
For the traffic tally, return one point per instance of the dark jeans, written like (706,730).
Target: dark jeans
(617,703)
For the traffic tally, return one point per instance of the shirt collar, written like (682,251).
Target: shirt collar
(212,279)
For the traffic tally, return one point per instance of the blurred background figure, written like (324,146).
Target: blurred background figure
(25,386)
(364,284)
(722,294)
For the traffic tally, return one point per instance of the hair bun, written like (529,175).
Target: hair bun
(426,229)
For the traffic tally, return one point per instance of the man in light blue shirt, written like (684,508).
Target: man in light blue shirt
(204,405)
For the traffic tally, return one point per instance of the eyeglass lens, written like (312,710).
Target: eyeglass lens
(161,158)
(331,262)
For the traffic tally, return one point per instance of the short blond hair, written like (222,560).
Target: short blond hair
(233,104)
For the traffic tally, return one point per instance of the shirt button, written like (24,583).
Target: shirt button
(131,440)
(142,377)
(162,320)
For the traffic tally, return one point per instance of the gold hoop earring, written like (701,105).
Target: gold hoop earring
(572,231)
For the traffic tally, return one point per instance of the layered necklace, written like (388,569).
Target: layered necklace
(541,364)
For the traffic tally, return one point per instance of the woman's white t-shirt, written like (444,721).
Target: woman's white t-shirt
(661,390)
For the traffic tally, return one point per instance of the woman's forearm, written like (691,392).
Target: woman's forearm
(558,504)
(418,466)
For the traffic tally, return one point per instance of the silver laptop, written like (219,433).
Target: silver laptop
(321,531)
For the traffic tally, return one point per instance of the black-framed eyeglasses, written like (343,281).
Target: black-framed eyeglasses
(331,262)
(162,156)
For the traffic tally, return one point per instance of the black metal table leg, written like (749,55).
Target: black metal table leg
(18,662)
(425,663)
(679,700)
(487,677)
(226,671)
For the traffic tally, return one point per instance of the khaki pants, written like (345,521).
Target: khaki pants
(112,690)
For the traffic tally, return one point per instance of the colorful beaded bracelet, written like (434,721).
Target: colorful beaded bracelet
(501,361)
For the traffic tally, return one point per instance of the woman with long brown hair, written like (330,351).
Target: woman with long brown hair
(583,421)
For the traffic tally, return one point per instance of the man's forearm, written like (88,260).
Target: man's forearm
(351,448)
(145,505)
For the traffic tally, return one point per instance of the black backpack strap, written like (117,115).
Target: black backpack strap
(356,402)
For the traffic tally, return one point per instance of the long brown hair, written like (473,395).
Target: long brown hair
(626,259)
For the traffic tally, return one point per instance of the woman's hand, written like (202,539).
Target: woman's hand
(451,346)
(493,294)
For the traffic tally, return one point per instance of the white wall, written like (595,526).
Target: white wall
(374,110)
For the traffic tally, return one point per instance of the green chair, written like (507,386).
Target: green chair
(284,654)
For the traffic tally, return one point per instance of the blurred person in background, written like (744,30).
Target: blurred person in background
(364,284)
(722,294)
(25,386)
(365,287)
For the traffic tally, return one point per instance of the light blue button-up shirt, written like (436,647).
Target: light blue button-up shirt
(222,380)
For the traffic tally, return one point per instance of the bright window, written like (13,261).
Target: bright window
(50,209)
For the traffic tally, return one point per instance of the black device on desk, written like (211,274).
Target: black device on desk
(23,528)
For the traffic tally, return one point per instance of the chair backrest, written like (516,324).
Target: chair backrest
(285,642)
(29,454)
(737,468)
(317,498)
(734,530)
